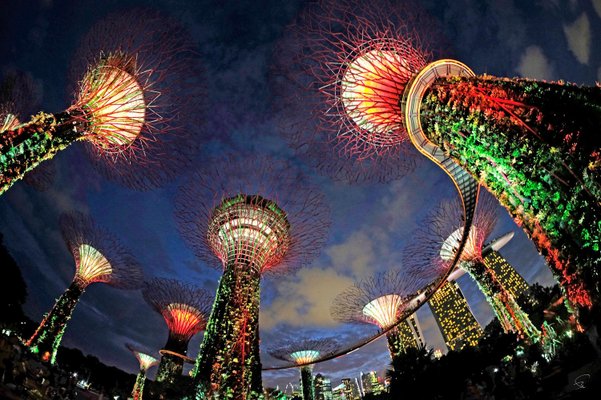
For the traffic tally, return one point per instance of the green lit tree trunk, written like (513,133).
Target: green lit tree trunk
(47,338)
(228,365)
(506,309)
(536,147)
(400,339)
(138,390)
(172,366)
(23,148)
(307,382)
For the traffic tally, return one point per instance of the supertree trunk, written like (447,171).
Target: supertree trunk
(47,337)
(228,363)
(400,339)
(26,146)
(138,389)
(172,366)
(536,147)
(307,382)
(510,314)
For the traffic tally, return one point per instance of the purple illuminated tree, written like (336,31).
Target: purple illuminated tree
(185,309)
(249,216)
(380,300)
(99,258)
(136,105)
(304,353)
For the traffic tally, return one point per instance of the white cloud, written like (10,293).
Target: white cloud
(578,35)
(357,253)
(597,7)
(306,299)
(534,64)
(599,75)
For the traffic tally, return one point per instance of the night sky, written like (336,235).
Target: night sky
(543,39)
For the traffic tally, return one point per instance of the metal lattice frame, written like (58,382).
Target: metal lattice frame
(434,244)
(304,351)
(161,55)
(271,191)
(377,300)
(184,307)
(250,216)
(136,105)
(315,73)
(92,247)
(144,357)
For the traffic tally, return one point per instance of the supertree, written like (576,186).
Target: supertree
(380,300)
(303,353)
(339,141)
(533,144)
(136,105)
(99,258)
(249,216)
(435,244)
(185,309)
(146,361)
(17,98)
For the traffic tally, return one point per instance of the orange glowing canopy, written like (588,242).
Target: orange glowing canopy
(183,319)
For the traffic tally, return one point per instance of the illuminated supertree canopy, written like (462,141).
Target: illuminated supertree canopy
(136,105)
(303,353)
(249,216)
(185,309)
(533,144)
(357,131)
(379,300)
(99,258)
(146,361)
(434,246)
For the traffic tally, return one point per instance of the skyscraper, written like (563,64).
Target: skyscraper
(450,308)
(370,383)
(454,317)
(417,330)
(323,388)
(513,282)
(410,332)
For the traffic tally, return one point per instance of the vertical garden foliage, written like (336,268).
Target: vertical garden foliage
(535,146)
(229,354)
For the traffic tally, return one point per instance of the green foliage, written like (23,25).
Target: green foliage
(535,146)
(228,361)
(22,149)
(47,338)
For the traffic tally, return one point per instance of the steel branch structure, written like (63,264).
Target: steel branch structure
(136,105)
(304,352)
(435,245)
(354,133)
(249,216)
(534,145)
(185,309)
(146,361)
(380,300)
(99,258)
